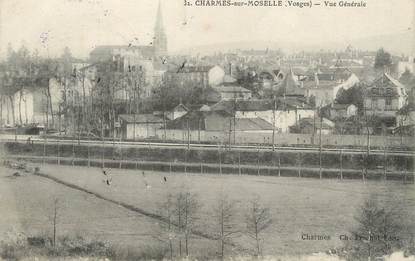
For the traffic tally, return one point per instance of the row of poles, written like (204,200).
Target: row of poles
(220,159)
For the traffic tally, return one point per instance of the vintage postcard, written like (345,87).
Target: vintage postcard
(207,130)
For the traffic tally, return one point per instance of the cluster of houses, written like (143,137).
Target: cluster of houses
(232,108)
(296,101)
(298,93)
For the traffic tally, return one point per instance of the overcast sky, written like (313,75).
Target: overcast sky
(50,25)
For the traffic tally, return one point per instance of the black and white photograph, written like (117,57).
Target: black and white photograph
(278,130)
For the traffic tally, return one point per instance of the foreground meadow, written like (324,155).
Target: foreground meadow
(298,206)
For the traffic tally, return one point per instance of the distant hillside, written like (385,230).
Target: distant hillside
(395,43)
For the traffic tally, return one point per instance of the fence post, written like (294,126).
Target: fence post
(405,170)
(363,176)
(239,163)
(44,150)
(89,160)
(58,154)
(73,151)
(185,161)
(121,157)
(258,170)
(103,153)
(341,164)
(220,161)
(279,164)
(385,163)
(136,157)
(201,162)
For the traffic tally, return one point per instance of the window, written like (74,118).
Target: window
(374,103)
(388,101)
(389,91)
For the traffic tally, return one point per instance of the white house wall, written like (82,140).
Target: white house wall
(216,75)
(21,105)
(283,119)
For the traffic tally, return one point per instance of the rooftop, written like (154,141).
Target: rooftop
(231,88)
(260,105)
(140,118)
(190,69)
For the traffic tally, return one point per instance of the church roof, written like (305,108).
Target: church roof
(146,50)
(290,86)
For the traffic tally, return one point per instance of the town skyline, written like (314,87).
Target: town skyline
(192,27)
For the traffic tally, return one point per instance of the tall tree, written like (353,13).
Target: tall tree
(226,226)
(383,60)
(258,220)
(380,231)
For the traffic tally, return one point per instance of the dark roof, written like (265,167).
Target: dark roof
(147,51)
(190,69)
(198,120)
(230,88)
(325,123)
(140,118)
(260,105)
(338,106)
(195,120)
(385,85)
(181,107)
(246,124)
(249,105)
(321,84)
(290,86)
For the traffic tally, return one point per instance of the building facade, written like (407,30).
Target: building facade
(195,76)
(384,97)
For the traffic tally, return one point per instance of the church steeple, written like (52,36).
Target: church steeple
(160,38)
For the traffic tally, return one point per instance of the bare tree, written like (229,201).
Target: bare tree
(380,230)
(167,231)
(53,217)
(185,211)
(189,206)
(179,212)
(257,220)
(226,227)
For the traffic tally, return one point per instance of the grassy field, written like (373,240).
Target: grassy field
(325,207)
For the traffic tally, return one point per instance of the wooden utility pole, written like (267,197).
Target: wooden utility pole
(258,170)
(198,130)
(44,149)
(341,164)
(230,132)
(239,163)
(279,164)
(188,134)
(234,122)
(273,123)
(57,140)
(220,160)
(73,150)
(321,146)
(385,160)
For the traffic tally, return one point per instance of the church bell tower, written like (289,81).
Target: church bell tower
(160,38)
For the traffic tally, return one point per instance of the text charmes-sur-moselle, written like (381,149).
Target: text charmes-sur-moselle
(288,3)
